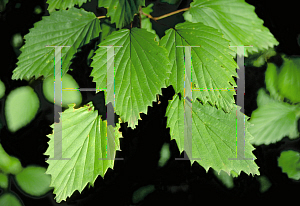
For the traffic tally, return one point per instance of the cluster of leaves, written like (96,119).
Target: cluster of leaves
(278,111)
(143,65)
(31,179)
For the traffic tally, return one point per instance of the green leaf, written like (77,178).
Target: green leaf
(265,183)
(164,155)
(68,97)
(226,179)
(213,136)
(121,12)
(2,89)
(74,27)
(33,181)
(59,4)
(141,69)
(107,29)
(141,193)
(3,181)
(236,19)
(273,121)
(3,5)
(289,79)
(289,161)
(212,64)
(170,1)
(263,98)
(271,80)
(10,199)
(84,140)
(146,23)
(21,107)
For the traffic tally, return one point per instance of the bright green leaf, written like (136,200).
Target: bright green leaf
(289,79)
(2,89)
(10,199)
(84,140)
(59,4)
(107,29)
(21,107)
(68,97)
(236,19)
(141,69)
(74,28)
(212,64)
(33,181)
(289,161)
(273,121)
(121,12)
(271,80)
(3,181)
(213,137)
(9,164)
(263,98)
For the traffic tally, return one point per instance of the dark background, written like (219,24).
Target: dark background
(177,183)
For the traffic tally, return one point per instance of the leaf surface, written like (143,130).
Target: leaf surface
(141,69)
(121,12)
(74,27)
(236,19)
(273,120)
(34,181)
(10,199)
(21,107)
(213,137)
(289,161)
(212,64)
(59,4)
(84,140)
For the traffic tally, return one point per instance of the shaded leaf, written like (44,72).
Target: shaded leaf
(121,12)
(84,140)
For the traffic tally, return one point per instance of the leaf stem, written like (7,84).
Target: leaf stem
(165,15)
(101,17)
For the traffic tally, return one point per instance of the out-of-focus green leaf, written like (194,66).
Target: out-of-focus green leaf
(289,79)
(21,107)
(3,180)
(273,121)
(59,4)
(289,161)
(33,181)
(213,136)
(2,89)
(10,199)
